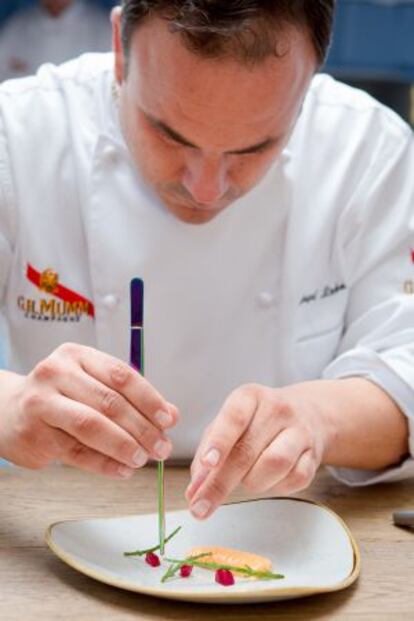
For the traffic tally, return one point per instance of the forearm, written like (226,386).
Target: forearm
(362,426)
(10,384)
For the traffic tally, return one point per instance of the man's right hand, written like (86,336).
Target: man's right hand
(86,409)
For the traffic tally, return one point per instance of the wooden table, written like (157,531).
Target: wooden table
(35,585)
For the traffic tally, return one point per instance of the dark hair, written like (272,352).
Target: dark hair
(242,28)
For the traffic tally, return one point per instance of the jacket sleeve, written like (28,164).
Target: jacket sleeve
(377,232)
(7,213)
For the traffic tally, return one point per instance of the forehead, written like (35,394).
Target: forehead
(181,88)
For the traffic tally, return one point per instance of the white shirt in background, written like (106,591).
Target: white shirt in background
(32,37)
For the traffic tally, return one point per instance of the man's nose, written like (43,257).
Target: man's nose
(206,178)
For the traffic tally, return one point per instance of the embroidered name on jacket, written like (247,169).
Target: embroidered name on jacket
(319,294)
(63,304)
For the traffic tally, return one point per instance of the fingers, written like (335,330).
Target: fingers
(113,417)
(48,444)
(197,479)
(300,476)
(89,460)
(196,469)
(78,386)
(225,431)
(93,430)
(291,472)
(74,453)
(258,439)
(277,461)
(208,490)
(112,388)
(124,380)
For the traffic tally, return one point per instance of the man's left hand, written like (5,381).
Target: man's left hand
(269,440)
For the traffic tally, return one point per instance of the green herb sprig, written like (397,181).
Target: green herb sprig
(161,507)
(155,548)
(176,565)
(194,561)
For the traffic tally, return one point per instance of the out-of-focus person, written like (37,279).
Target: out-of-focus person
(51,31)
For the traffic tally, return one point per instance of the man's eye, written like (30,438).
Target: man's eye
(171,140)
(257,151)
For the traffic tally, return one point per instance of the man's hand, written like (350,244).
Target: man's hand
(85,409)
(273,440)
(266,439)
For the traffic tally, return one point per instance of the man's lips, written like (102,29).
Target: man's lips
(200,206)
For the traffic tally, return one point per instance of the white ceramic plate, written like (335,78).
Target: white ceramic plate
(308,543)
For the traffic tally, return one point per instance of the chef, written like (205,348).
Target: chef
(51,31)
(269,212)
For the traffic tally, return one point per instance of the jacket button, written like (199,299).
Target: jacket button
(110,153)
(110,301)
(266,300)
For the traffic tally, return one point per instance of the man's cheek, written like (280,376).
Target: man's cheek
(159,157)
(249,174)
(168,165)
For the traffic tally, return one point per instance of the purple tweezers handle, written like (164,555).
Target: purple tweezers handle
(136,356)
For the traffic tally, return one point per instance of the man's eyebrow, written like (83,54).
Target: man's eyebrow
(267,143)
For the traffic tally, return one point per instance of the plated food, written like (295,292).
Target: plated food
(225,562)
(308,544)
(235,558)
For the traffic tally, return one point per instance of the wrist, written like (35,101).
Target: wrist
(313,402)
(359,424)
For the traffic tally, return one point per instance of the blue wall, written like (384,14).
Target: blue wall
(374,38)
(8,6)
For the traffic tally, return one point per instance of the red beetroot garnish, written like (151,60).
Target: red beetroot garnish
(152,559)
(224,577)
(185,571)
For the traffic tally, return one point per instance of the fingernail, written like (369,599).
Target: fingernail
(200,508)
(164,419)
(125,472)
(140,458)
(212,458)
(162,449)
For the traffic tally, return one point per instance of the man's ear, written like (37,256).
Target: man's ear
(117,43)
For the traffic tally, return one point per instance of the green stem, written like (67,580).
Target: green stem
(175,567)
(247,571)
(155,548)
(161,507)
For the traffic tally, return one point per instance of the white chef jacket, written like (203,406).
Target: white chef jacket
(32,37)
(308,276)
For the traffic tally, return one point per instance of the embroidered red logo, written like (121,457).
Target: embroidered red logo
(69,305)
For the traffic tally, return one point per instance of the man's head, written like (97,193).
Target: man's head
(56,7)
(210,91)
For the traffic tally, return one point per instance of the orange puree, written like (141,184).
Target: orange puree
(227,556)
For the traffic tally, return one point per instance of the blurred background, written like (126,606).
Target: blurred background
(373,49)
(373,45)
(33,32)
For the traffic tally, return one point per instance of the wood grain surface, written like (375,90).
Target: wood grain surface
(36,586)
